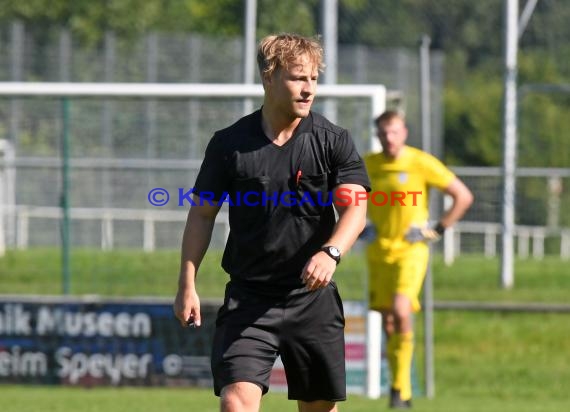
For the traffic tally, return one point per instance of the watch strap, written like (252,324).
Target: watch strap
(327,250)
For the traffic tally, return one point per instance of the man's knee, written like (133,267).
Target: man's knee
(402,307)
(240,397)
(317,406)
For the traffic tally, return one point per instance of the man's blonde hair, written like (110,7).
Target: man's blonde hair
(388,116)
(278,51)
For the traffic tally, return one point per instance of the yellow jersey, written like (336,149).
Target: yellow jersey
(399,197)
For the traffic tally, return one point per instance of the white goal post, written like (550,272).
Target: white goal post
(376,94)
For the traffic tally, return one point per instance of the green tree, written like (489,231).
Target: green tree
(88,20)
(287,16)
(472,122)
(469,32)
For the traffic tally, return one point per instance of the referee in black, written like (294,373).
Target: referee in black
(282,170)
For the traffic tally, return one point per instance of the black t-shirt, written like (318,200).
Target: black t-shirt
(280,209)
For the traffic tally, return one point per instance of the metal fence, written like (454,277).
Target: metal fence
(121,215)
(541,214)
(109,194)
(173,58)
(122,148)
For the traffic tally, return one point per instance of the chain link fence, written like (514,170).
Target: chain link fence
(123,148)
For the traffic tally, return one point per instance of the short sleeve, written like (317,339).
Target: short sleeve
(213,175)
(348,166)
(437,174)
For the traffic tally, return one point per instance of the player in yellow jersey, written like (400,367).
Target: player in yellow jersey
(398,256)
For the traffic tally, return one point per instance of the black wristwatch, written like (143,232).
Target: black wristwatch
(333,252)
(439,228)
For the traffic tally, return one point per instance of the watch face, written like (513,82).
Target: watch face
(334,251)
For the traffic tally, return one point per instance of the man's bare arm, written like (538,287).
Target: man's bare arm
(462,200)
(352,216)
(195,242)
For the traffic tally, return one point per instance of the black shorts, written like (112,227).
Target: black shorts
(305,328)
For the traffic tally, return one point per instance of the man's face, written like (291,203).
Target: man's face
(392,135)
(292,90)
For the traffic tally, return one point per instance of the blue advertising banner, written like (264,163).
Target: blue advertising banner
(89,341)
(95,342)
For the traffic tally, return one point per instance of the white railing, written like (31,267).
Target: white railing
(107,217)
(525,235)
(530,239)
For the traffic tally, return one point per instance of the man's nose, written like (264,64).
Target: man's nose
(309,86)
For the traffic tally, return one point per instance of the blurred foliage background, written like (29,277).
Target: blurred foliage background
(469,33)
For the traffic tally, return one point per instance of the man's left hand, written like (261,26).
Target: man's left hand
(422,234)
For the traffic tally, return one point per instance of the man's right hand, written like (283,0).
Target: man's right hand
(187,308)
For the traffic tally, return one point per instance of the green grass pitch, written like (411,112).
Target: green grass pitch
(484,361)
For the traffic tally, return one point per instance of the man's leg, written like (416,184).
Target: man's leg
(401,347)
(312,349)
(244,348)
(388,327)
(240,397)
(317,406)
(411,272)
(397,326)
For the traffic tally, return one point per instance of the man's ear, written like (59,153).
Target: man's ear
(266,79)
